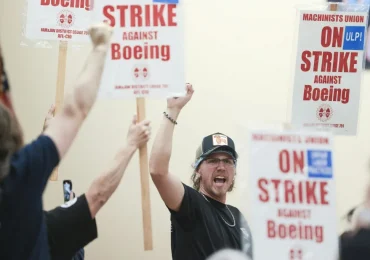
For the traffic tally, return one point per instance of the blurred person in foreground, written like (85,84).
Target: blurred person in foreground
(25,170)
(355,243)
(228,254)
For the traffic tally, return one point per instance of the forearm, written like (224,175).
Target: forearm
(88,82)
(162,146)
(104,186)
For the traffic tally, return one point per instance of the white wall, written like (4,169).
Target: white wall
(238,54)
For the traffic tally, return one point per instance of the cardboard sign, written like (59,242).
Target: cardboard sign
(146,57)
(328,70)
(66,20)
(292,193)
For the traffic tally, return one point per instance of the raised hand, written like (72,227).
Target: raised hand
(178,103)
(138,133)
(100,34)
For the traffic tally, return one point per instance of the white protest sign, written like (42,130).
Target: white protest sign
(329,63)
(66,20)
(146,58)
(292,195)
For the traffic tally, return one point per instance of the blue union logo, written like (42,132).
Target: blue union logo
(354,38)
(319,164)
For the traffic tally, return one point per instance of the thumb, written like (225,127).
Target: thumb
(134,120)
(51,110)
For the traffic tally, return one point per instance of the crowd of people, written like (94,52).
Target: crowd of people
(203,225)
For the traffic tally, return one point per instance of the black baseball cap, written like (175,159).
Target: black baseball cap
(217,142)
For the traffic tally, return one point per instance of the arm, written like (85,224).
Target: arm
(103,187)
(63,129)
(169,186)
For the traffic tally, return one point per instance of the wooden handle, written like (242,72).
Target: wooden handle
(144,176)
(59,96)
(333,6)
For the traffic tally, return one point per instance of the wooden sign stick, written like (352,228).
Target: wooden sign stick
(144,177)
(333,6)
(59,96)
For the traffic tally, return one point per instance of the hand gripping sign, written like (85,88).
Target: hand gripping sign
(328,67)
(292,194)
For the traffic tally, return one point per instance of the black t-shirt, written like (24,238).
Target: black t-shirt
(203,226)
(355,245)
(23,232)
(70,228)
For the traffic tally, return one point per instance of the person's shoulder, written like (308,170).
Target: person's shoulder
(191,191)
(35,148)
(32,156)
(234,209)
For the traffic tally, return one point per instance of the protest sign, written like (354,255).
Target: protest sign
(292,195)
(147,50)
(66,20)
(328,70)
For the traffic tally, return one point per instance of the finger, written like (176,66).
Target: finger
(145,122)
(51,110)
(144,128)
(134,120)
(189,88)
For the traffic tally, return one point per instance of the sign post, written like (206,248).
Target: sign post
(146,61)
(59,95)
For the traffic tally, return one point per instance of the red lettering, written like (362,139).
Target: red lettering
(289,192)
(141,15)
(136,12)
(265,195)
(295,192)
(325,61)
(115,50)
(331,37)
(325,37)
(298,161)
(324,192)
(295,231)
(68,3)
(271,229)
(158,15)
(147,15)
(146,52)
(310,192)
(171,15)
(107,10)
(326,94)
(285,161)
(122,16)
(294,213)
(276,184)
(306,61)
(300,192)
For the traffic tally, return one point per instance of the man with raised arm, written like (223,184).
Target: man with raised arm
(24,171)
(202,222)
